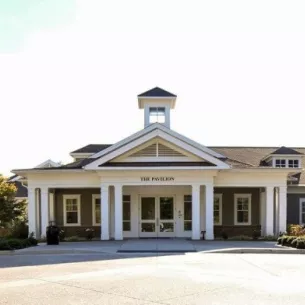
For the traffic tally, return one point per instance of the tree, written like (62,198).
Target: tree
(10,209)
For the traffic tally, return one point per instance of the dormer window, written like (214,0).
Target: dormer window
(156,115)
(290,163)
(293,163)
(280,163)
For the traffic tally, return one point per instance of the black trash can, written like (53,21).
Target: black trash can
(52,234)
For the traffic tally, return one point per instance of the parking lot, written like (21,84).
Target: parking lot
(191,278)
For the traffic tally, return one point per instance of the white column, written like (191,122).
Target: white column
(269,210)
(38,211)
(105,212)
(283,208)
(44,214)
(32,211)
(263,212)
(118,210)
(195,211)
(209,212)
(51,207)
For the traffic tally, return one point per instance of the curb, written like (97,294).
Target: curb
(156,251)
(7,252)
(255,251)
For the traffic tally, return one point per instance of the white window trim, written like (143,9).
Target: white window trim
(94,197)
(77,197)
(125,220)
(300,211)
(287,159)
(220,209)
(235,210)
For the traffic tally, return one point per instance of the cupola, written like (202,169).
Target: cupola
(157,104)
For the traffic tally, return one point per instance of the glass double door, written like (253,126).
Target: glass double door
(157,216)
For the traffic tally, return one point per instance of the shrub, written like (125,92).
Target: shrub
(4,232)
(62,235)
(300,242)
(72,238)
(294,243)
(32,240)
(270,238)
(284,240)
(256,234)
(4,245)
(20,230)
(224,235)
(15,243)
(240,237)
(26,243)
(279,240)
(290,239)
(296,230)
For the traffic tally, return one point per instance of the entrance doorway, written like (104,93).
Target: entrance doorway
(157,216)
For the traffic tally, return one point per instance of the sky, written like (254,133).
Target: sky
(70,73)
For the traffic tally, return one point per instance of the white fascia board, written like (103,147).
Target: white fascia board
(191,142)
(81,155)
(124,141)
(160,168)
(143,99)
(268,170)
(165,136)
(25,172)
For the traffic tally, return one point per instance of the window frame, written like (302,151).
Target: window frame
(293,161)
(125,220)
(94,197)
(220,209)
(249,196)
(159,114)
(188,220)
(281,159)
(301,202)
(78,200)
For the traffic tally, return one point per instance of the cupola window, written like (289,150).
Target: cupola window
(156,115)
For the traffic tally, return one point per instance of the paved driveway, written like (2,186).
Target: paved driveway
(192,278)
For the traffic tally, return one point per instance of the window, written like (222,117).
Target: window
(217,209)
(280,163)
(188,213)
(126,213)
(157,115)
(71,210)
(293,163)
(302,211)
(96,209)
(242,206)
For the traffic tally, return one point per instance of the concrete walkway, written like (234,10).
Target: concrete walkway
(156,246)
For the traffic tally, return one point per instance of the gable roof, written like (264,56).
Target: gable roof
(91,148)
(285,151)
(157,92)
(151,132)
